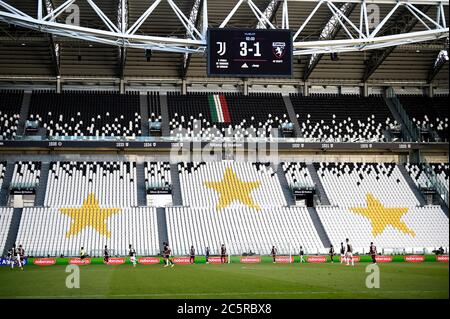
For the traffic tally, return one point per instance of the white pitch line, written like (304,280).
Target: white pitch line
(230,294)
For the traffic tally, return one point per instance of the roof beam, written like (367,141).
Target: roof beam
(414,2)
(405,21)
(122,23)
(329,32)
(270,12)
(54,48)
(437,65)
(199,9)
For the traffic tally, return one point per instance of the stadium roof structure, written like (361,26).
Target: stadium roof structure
(377,41)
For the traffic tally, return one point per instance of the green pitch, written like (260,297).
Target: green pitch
(397,280)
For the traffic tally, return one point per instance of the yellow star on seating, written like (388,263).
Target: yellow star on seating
(89,214)
(231,189)
(380,217)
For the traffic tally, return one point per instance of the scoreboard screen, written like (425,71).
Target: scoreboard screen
(249,53)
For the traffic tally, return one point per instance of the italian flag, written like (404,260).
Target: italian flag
(218,107)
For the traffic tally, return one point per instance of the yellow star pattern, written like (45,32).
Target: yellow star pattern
(231,189)
(380,217)
(89,214)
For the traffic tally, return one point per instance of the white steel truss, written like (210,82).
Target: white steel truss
(359,35)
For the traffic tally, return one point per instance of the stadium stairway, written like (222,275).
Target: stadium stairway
(412,185)
(290,200)
(13,230)
(444,208)
(397,117)
(24,111)
(42,188)
(140,185)
(4,191)
(319,187)
(143,107)
(292,116)
(319,227)
(162,226)
(164,115)
(177,199)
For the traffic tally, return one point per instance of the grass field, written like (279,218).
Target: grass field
(397,280)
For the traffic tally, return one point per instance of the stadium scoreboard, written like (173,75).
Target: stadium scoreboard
(250,53)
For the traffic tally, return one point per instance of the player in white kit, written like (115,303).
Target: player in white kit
(132,254)
(349,253)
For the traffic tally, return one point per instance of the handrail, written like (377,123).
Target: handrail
(436,182)
(412,129)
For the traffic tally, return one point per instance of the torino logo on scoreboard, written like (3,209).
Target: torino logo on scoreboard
(279,49)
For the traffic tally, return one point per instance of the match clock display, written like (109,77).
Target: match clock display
(249,53)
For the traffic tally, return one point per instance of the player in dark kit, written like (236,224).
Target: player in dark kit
(207,255)
(167,254)
(192,255)
(274,254)
(373,252)
(223,254)
(106,255)
(349,253)
(332,253)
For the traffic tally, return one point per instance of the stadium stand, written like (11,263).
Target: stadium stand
(5,222)
(26,175)
(2,172)
(429,112)
(70,183)
(297,174)
(74,113)
(157,174)
(10,104)
(154,107)
(345,118)
(53,232)
(429,225)
(229,115)
(361,179)
(242,230)
(442,172)
(418,175)
(195,177)
(353,187)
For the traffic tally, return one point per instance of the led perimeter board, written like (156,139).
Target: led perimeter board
(250,53)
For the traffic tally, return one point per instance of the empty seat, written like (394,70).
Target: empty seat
(10,104)
(74,113)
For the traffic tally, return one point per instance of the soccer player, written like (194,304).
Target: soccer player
(82,253)
(373,252)
(132,254)
(19,263)
(274,254)
(167,254)
(106,255)
(332,253)
(22,254)
(11,256)
(207,255)
(223,254)
(192,255)
(342,253)
(349,254)
(302,253)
